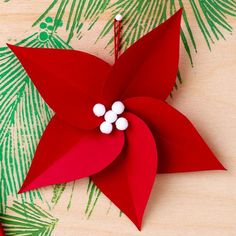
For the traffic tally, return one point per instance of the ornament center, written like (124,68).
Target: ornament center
(111,117)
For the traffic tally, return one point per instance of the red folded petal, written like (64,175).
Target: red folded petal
(128,181)
(180,147)
(70,81)
(149,67)
(65,154)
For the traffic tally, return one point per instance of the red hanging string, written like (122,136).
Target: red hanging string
(117,37)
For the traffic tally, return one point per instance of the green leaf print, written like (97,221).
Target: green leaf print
(23,115)
(27,219)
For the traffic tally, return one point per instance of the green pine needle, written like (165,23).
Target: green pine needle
(27,219)
(23,116)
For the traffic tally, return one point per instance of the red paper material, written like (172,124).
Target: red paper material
(122,164)
(149,66)
(128,180)
(70,81)
(1,230)
(180,147)
(65,153)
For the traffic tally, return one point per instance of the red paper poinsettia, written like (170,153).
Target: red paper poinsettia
(139,135)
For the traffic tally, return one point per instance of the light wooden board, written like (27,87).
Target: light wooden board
(189,204)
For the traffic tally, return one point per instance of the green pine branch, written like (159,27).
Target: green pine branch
(79,12)
(58,191)
(27,219)
(140,17)
(93,196)
(23,115)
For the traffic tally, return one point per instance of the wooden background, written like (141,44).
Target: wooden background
(189,204)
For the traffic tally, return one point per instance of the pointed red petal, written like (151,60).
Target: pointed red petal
(149,67)
(180,147)
(128,181)
(65,154)
(70,81)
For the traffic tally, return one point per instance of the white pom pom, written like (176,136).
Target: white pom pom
(106,128)
(110,116)
(99,109)
(118,107)
(122,123)
(118,17)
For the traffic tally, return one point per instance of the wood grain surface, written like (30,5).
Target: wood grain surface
(186,204)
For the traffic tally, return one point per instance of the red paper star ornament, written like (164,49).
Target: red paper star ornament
(112,122)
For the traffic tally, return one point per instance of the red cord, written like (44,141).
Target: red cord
(117,38)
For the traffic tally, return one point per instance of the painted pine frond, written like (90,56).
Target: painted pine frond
(93,196)
(78,12)
(214,21)
(27,219)
(23,117)
(141,17)
(58,191)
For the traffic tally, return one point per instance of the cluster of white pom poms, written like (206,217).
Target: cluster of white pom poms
(111,116)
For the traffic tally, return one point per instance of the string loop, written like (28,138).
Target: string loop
(117,35)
